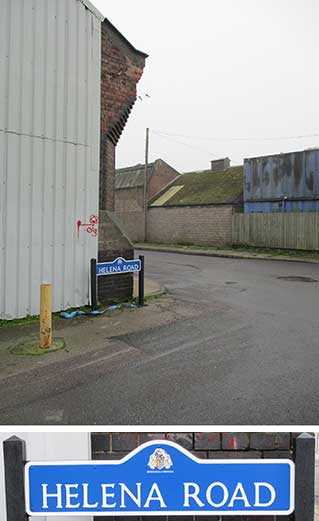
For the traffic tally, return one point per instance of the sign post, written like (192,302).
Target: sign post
(14,452)
(305,477)
(141,282)
(93,285)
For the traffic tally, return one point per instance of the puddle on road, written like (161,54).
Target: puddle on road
(295,278)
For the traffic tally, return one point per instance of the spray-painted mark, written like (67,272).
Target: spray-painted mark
(91,226)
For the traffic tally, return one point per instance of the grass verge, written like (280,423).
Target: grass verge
(242,249)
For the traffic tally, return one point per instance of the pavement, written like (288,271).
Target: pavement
(233,341)
(82,334)
(230,253)
(151,287)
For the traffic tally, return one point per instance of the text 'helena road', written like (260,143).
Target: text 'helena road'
(160,477)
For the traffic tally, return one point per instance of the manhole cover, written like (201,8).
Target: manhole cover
(294,278)
(230,282)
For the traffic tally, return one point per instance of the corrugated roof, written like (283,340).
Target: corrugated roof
(206,187)
(132,176)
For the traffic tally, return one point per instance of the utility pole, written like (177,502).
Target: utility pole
(146,184)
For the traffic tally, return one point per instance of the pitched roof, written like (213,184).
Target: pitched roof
(201,188)
(93,9)
(132,176)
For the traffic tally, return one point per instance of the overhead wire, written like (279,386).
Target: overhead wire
(242,138)
(211,154)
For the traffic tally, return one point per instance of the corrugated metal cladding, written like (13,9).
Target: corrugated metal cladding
(284,182)
(50,56)
(132,177)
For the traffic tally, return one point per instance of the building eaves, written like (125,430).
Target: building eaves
(93,9)
(124,40)
(283,154)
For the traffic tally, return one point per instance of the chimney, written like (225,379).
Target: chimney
(219,165)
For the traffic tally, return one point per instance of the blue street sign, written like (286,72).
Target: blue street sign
(160,477)
(119,265)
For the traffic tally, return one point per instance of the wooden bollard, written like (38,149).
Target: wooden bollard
(46,316)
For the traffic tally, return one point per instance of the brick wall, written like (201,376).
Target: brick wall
(112,244)
(129,199)
(121,69)
(212,445)
(107,169)
(208,225)
(129,202)
(163,174)
(132,223)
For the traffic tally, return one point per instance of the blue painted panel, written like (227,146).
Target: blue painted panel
(269,179)
(160,477)
(277,206)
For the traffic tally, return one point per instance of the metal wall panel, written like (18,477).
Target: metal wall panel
(48,446)
(282,183)
(50,66)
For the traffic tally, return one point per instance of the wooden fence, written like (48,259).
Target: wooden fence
(296,231)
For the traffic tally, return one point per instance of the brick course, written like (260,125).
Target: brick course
(121,69)
(248,446)
(202,225)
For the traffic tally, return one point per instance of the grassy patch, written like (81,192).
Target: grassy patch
(30,319)
(243,249)
(150,298)
(33,319)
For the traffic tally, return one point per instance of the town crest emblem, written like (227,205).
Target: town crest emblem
(160,460)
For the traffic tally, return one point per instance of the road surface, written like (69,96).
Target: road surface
(247,352)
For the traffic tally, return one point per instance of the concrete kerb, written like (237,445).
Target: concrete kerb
(223,254)
(151,288)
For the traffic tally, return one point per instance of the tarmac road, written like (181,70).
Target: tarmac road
(246,353)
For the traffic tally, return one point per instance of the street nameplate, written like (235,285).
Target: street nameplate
(160,478)
(119,265)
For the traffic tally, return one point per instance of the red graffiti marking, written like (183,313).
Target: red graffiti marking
(91,226)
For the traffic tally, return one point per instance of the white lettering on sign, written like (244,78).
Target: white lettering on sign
(46,495)
(239,495)
(209,494)
(188,494)
(257,494)
(156,497)
(69,496)
(111,495)
(86,503)
(126,490)
(106,495)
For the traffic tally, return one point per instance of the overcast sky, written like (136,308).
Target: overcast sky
(219,70)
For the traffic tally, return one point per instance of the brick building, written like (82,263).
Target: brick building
(122,67)
(129,194)
(197,207)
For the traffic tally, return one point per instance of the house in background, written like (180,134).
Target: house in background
(197,208)
(122,67)
(282,182)
(129,194)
